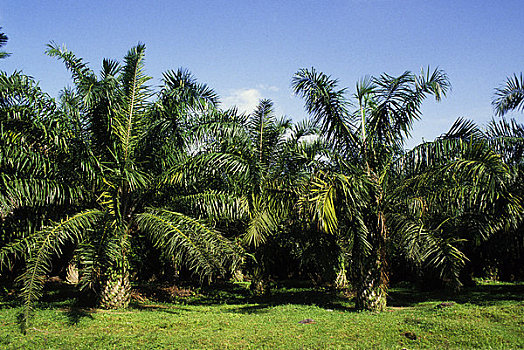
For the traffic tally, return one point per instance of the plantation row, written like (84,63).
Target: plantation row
(115,182)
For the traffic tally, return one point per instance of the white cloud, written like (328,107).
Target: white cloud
(271,88)
(245,99)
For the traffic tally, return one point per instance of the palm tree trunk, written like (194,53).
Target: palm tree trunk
(72,275)
(260,283)
(371,270)
(341,281)
(116,289)
(370,288)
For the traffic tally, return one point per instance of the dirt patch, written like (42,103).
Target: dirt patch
(162,293)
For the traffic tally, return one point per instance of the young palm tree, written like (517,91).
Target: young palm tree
(503,253)
(36,169)
(257,161)
(509,96)
(125,146)
(454,193)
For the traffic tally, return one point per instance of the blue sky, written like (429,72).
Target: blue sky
(248,50)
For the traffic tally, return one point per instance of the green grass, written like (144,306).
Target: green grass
(487,316)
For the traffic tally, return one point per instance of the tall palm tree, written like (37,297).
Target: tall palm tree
(377,196)
(509,96)
(126,142)
(352,197)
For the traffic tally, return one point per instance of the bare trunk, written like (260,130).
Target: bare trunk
(260,283)
(341,282)
(116,290)
(72,275)
(371,289)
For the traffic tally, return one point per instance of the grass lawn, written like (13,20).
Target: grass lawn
(486,316)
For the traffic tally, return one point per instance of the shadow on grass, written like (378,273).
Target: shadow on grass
(75,314)
(232,294)
(66,297)
(174,309)
(482,295)
(55,294)
(328,298)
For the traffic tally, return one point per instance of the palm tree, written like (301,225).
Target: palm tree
(124,147)
(503,252)
(453,194)
(280,158)
(352,197)
(509,96)
(36,169)
(257,160)
(379,198)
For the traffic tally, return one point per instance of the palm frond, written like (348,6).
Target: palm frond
(509,96)
(266,218)
(215,205)
(463,129)
(129,119)
(192,243)
(82,75)
(398,102)
(325,103)
(261,120)
(3,41)
(334,195)
(182,94)
(443,254)
(20,192)
(507,138)
(47,243)
(323,198)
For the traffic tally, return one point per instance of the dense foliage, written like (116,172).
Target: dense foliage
(114,183)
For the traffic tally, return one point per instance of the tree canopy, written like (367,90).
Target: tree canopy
(114,175)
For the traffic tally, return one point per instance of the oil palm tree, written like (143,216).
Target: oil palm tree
(453,194)
(378,197)
(125,143)
(352,198)
(36,169)
(257,160)
(502,253)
